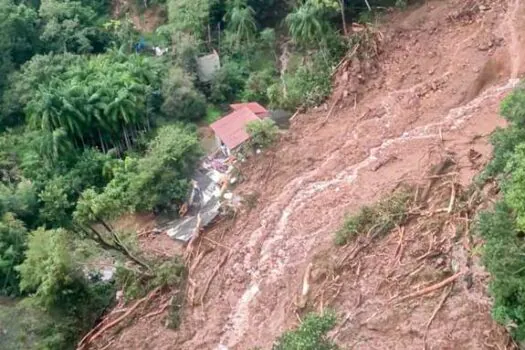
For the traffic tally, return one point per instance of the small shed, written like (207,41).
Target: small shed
(207,66)
(230,131)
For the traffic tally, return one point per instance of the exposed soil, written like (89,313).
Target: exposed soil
(434,93)
(145,20)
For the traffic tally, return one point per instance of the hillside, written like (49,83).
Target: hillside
(433,94)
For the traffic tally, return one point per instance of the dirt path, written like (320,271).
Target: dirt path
(436,93)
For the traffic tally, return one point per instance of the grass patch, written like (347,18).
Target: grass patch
(377,219)
(311,334)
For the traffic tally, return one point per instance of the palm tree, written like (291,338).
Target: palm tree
(100,103)
(307,25)
(241,22)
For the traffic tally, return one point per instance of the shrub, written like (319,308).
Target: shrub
(263,132)
(375,220)
(21,200)
(311,334)
(13,237)
(169,273)
(513,108)
(504,142)
(181,100)
(228,83)
(307,86)
(503,256)
(257,85)
(166,274)
(502,228)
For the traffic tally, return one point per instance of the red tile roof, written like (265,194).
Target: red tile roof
(231,129)
(252,106)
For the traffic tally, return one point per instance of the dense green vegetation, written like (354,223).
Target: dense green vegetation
(310,335)
(93,125)
(262,132)
(503,226)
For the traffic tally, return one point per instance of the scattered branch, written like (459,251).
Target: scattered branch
(399,249)
(194,236)
(452,198)
(446,293)
(90,337)
(161,309)
(212,276)
(431,288)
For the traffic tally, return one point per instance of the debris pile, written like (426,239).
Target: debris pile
(429,254)
(360,62)
(208,199)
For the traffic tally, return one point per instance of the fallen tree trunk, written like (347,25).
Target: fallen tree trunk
(94,333)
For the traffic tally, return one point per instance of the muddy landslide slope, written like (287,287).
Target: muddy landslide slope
(434,92)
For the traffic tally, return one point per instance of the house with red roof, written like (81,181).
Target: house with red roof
(230,130)
(256,108)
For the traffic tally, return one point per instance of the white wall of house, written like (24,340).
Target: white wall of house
(222,146)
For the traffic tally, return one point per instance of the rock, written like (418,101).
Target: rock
(485,46)
(344,76)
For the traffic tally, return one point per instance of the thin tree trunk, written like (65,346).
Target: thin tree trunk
(209,36)
(135,133)
(120,148)
(219,37)
(101,141)
(368,5)
(343,16)
(118,246)
(126,139)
